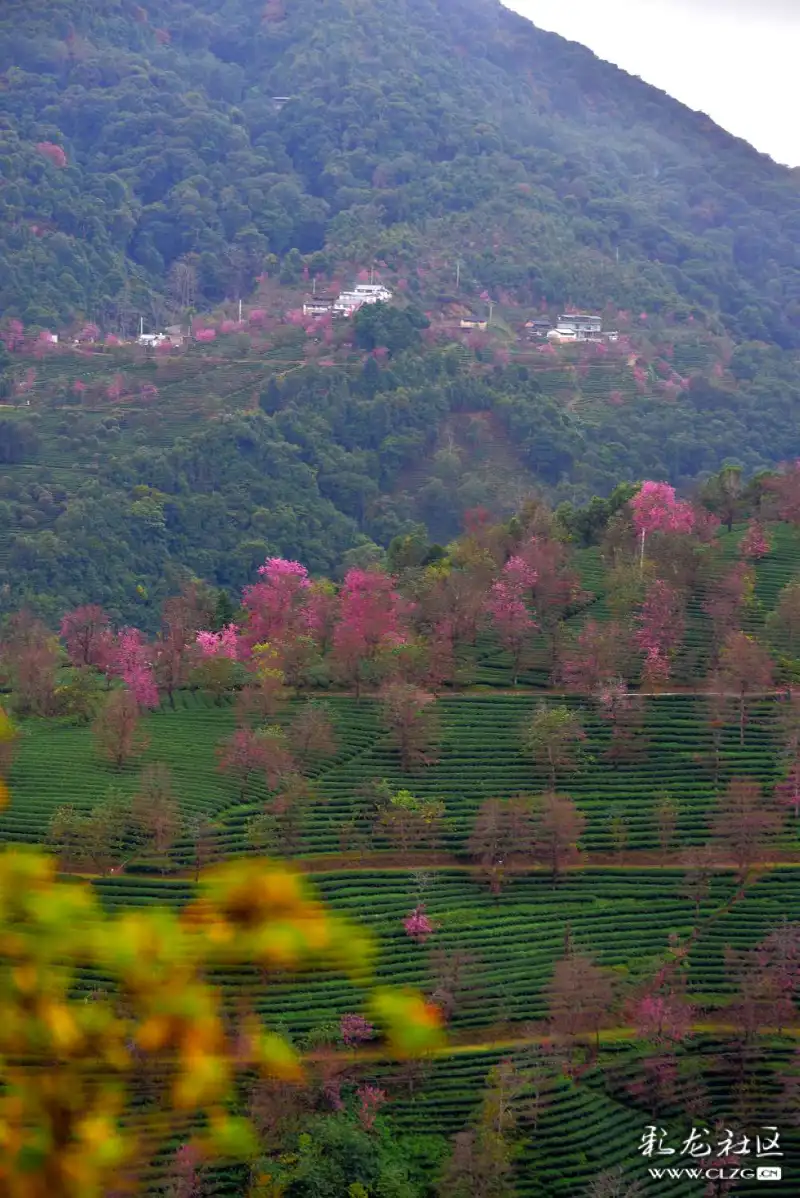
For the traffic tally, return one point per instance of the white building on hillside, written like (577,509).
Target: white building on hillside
(349,302)
(581,323)
(562,334)
(580,327)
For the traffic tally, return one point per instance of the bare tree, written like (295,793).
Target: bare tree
(744,824)
(666,819)
(503,836)
(117,728)
(155,810)
(580,996)
(559,827)
(182,283)
(312,736)
(409,718)
(554,737)
(613,1184)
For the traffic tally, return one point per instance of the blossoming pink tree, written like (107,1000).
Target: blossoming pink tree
(355,1030)
(656,509)
(662,1018)
(131,661)
(53,153)
(274,606)
(370,612)
(417,925)
(370,1101)
(219,644)
(508,610)
(755,543)
(661,628)
(787,792)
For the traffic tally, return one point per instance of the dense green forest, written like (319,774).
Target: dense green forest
(117,502)
(135,138)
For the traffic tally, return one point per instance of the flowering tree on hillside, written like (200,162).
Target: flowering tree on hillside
(320,612)
(554,738)
(274,605)
(506,606)
(241,755)
(86,632)
(755,543)
(744,823)
(503,836)
(418,925)
(661,623)
(131,661)
(53,153)
(219,644)
(656,509)
(369,624)
(555,588)
(409,716)
(559,827)
(117,728)
(786,488)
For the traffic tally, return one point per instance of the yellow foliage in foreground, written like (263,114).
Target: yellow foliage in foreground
(67,1063)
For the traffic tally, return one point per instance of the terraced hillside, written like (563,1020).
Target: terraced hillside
(637,904)
(480,756)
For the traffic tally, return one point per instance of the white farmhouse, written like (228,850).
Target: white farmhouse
(349,302)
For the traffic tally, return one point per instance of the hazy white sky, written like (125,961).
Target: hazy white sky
(736,60)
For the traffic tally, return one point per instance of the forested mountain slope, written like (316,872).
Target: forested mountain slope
(414,132)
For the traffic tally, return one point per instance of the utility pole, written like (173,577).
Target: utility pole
(458,273)
(372,275)
(491,307)
(141,326)
(240,311)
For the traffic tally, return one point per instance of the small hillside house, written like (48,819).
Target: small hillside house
(537,328)
(318,305)
(581,323)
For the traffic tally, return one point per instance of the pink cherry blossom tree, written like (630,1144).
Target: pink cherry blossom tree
(594,658)
(13,335)
(508,611)
(132,662)
(662,1018)
(656,509)
(662,623)
(417,925)
(755,543)
(355,1030)
(219,644)
(370,1101)
(726,596)
(53,153)
(274,606)
(370,614)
